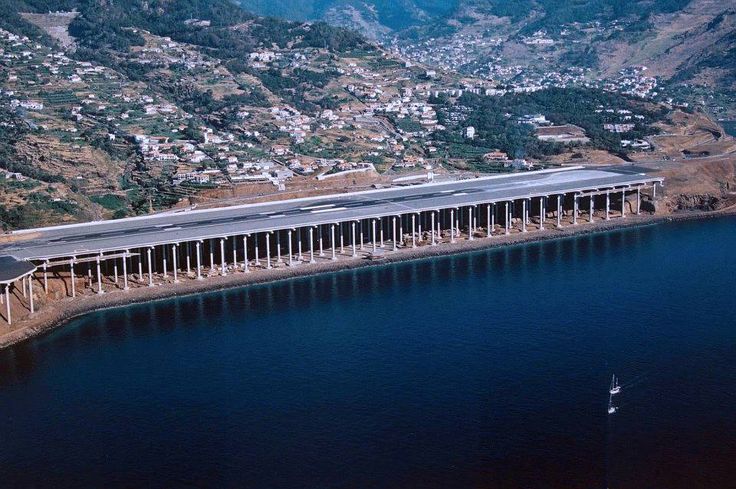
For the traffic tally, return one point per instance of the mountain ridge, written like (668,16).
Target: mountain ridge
(677,39)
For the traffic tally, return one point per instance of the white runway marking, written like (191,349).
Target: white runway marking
(309,208)
(317,211)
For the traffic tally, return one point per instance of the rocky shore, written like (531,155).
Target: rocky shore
(57,313)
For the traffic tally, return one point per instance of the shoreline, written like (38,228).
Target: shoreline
(57,314)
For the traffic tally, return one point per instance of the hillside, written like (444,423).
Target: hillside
(150,105)
(681,41)
(378,16)
(429,14)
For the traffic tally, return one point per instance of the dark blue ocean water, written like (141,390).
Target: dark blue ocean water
(487,369)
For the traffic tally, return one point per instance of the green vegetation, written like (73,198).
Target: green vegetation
(495,120)
(296,86)
(39,208)
(9,158)
(406,124)
(102,27)
(111,202)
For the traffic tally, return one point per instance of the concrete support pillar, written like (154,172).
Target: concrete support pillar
(559,211)
(592,209)
(140,264)
(235,254)
(355,249)
(255,251)
(189,258)
(489,225)
(212,255)
(174,252)
(245,254)
(654,190)
(608,205)
(507,219)
(623,203)
(7,304)
(541,213)
(321,249)
(362,237)
(393,231)
(332,242)
(150,267)
(30,293)
(380,232)
(199,259)
(45,277)
(413,230)
(71,271)
(311,245)
(523,215)
(638,200)
(373,234)
(342,239)
(434,242)
(278,246)
(401,229)
(291,245)
(299,256)
(493,219)
(125,271)
(23,286)
(268,250)
(575,210)
(439,225)
(474,220)
(470,223)
(223,272)
(452,225)
(115,269)
(163,260)
(99,277)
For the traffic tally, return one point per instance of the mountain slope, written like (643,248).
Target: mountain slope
(383,15)
(688,40)
(429,14)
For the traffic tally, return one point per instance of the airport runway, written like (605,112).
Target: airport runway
(191,225)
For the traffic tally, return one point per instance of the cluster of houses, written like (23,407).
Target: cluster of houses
(293,122)
(166,52)
(482,56)
(9,175)
(499,158)
(633,81)
(412,161)
(619,128)
(311,166)
(539,38)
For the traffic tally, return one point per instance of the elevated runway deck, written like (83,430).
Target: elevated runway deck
(103,236)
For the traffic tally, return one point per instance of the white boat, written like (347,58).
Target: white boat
(615,388)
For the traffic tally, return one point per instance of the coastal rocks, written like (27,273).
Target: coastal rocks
(650,206)
(702,202)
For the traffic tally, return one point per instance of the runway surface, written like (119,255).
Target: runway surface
(191,225)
